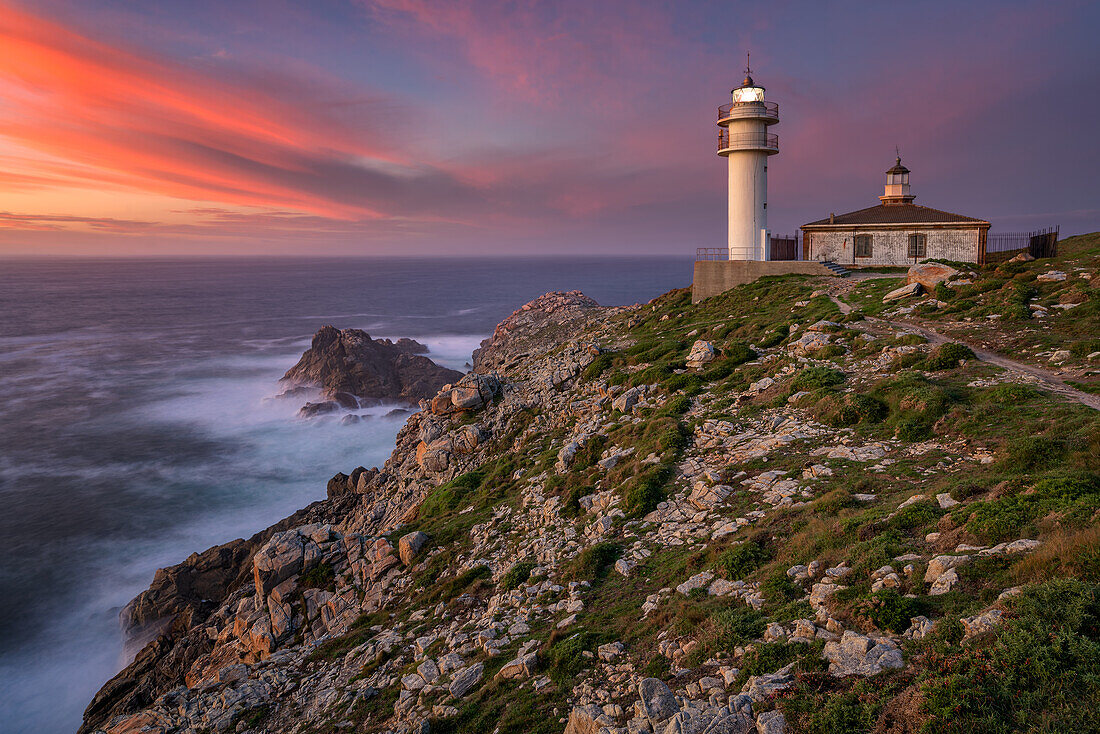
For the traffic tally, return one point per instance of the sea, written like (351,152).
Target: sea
(137,423)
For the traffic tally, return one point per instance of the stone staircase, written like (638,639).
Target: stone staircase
(838,270)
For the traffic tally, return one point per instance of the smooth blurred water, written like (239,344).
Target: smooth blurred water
(134,425)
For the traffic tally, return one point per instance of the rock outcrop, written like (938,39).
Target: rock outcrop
(551,319)
(351,369)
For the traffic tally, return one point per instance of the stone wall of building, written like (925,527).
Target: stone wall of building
(890,246)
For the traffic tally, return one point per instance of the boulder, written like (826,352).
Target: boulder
(472,392)
(466,679)
(709,720)
(584,720)
(855,654)
(771,722)
(930,275)
(701,353)
(809,343)
(410,545)
(911,289)
(522,667)
(312,410)
(940,565)
(280,558)
(657,701)
(625,403)
(981,623)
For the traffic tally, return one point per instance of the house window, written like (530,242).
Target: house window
(918,245)
(863,245)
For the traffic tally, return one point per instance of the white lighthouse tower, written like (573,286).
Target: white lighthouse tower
(744,139)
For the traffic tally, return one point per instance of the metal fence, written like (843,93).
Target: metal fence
(1005,245)
(784,247)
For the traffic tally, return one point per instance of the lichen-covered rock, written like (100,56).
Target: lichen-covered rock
(701,353)
(856,654)
(465,680)
(658,703)
(410,545)
(930,274)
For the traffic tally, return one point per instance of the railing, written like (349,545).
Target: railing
(1040,243)
(712,253)
(748,109)
(746,141)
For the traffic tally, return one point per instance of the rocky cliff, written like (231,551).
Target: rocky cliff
(350,368)
(757,514)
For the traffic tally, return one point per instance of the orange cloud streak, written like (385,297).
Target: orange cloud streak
(161,127)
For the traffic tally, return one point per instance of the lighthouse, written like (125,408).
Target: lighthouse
(743,138)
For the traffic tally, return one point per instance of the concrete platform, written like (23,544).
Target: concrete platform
(718,276)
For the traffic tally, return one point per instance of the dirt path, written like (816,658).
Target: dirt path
(1048,379)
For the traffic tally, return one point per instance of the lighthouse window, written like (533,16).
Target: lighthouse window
(863,245)
(917,245)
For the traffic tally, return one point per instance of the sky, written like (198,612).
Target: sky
(435,128)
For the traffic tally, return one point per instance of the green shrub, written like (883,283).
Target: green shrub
(889,610)
(449,496)
(689,382)
(565,659)
(1007,518)
(1037,673)
(736,354)
(737,625)
(678,405)
(1011,393)
(741,560)
(850,409)
(778,589)
(517,575)
(674,438)
(947,356)
(812,378)
(1084,348)
(598,366)
(646,491)
(912,429)
(589,453)
(593,562)
(916,515)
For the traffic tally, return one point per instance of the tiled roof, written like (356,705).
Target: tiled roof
(897,214)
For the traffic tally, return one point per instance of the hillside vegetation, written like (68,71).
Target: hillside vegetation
(752,514)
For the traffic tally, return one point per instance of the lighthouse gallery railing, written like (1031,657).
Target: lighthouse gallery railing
(746,141)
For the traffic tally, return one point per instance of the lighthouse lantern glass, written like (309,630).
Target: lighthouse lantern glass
(743,95)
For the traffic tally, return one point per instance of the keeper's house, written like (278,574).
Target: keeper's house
(896,232)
